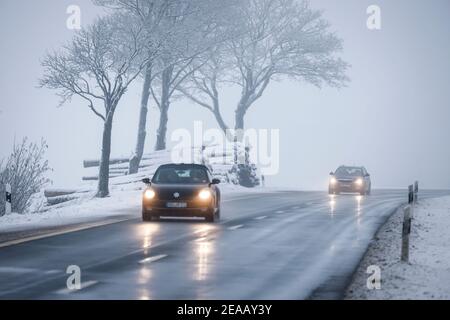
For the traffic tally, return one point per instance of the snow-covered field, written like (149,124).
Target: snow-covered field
(427,275)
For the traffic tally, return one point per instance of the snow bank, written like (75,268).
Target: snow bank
(427,276)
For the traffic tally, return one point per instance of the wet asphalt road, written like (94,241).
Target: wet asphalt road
(281,245)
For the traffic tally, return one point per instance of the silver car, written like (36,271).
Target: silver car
(350,179)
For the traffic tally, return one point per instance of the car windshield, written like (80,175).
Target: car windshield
(349,171)
(181,176)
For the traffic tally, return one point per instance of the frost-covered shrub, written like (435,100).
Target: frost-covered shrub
(245,175)
(25,170)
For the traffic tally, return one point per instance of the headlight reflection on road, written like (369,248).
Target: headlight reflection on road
(144,294)
(359,199)
(143,280)
(144,275)
(147,233)
(332,203)
(202,230)
(203,249)
(358,202)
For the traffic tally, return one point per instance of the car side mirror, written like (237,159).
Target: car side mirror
(215,181)
(331,173)
(367,175)
(146,181)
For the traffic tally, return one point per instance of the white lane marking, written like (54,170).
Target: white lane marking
(83,285)
(153,259)
(280,211)
(261,218)
(236,227)
(52,272)
(25,270)
(58,233)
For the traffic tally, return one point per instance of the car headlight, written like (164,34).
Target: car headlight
(359,182)
(149,194)
(333,180)
(204,194)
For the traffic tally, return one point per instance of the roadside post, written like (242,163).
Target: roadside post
(411,198)
(410,194)
(416,191)
(405,233)
(8,198)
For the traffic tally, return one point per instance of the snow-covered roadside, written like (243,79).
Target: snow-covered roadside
(83,210)
(427,276)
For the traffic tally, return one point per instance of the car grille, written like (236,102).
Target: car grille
(169,195)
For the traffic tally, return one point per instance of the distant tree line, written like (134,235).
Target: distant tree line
(190,49)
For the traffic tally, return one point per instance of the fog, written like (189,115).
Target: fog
(392,117)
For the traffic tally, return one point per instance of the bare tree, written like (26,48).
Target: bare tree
(278,39)
(25,170)
(98,66)
(182,28)
(283,38)
(203,85)
(151,14)
(196,30)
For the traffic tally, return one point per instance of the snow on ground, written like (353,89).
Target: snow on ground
(83,210)
(427,275)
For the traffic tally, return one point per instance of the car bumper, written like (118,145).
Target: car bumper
(185,212)
(193,209)
(347,188)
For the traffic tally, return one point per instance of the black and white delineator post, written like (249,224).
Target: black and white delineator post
(8,199)
(406,231)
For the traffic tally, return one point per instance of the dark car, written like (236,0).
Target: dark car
(181,190)
(350,179)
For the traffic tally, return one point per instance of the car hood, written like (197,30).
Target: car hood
(347,178)
(185,191)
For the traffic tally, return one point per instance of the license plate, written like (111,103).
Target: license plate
(176,204)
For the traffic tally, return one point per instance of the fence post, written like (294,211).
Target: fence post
(410,194)
(416,191)
(406,230)
(411,199)
(8,198)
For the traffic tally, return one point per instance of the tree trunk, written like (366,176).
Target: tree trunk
(140,143)
(239,124)
(219,118)
(103,176)
(162,130)
(164,109)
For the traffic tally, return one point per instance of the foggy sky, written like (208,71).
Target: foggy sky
(392,118)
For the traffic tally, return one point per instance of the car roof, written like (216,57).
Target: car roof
(183,165)
(356,167)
